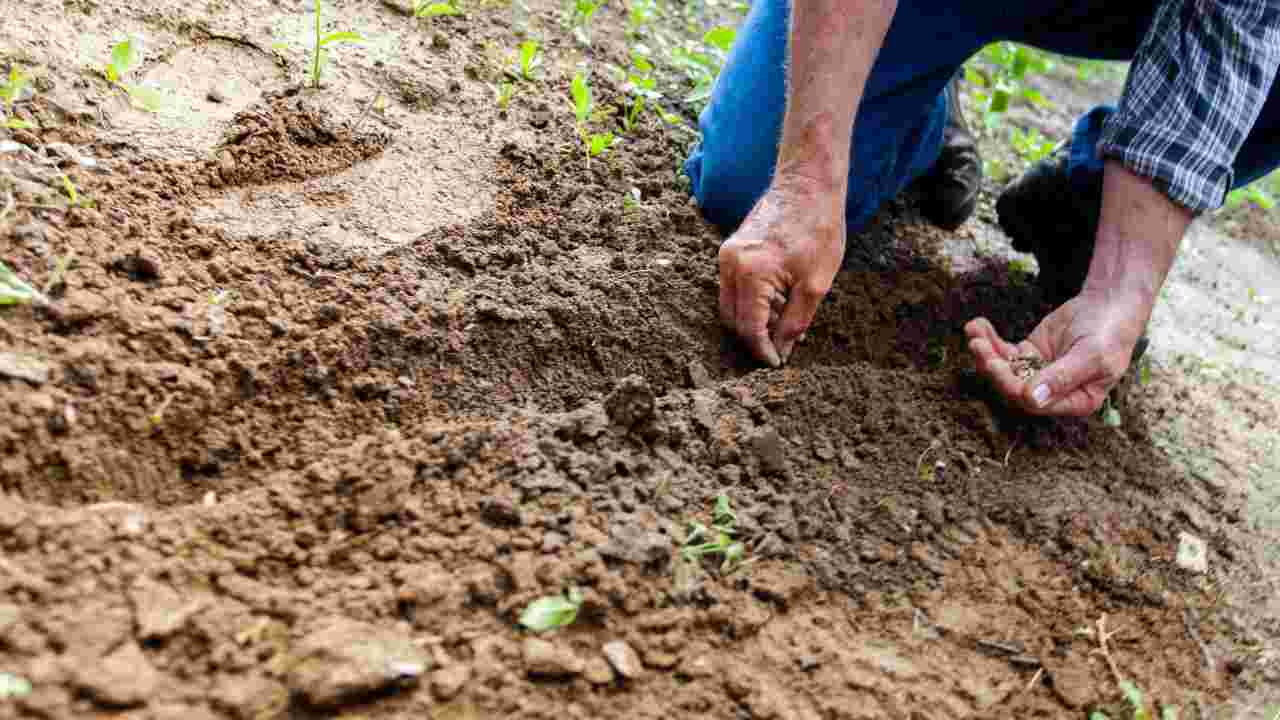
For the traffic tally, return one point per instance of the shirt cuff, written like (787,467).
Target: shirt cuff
(1189,176)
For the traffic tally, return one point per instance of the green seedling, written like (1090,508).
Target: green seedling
(322,41)
(530,59)
(583,12)
(1141,711)
(503,94)
(15,291)
(427,9)
(1009,64)
(702,66)
(1253,194)
(642,85)
(593,144)
(73,195)
(639,15)
(553,611)
(124,55)
(1031,146)
(716,539)
(1110,416)
(14,686)
(10,91)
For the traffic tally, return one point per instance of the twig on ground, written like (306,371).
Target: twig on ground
(1106,654)
(1007,453)
(1035,679)
(1191,619)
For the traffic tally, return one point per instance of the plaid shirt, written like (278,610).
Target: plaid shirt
(1194,91)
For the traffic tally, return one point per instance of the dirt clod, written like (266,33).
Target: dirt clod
(346,660)
(543,658)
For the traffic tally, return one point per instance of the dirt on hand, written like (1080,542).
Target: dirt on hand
(267,455)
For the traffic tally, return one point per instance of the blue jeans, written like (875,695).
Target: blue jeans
(898,132)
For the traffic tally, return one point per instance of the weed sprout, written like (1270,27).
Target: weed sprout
(318,54)
(10,91)
(124,56)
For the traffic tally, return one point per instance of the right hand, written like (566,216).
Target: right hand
(779,265)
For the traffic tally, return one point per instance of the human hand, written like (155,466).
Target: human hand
(1086,345)
(779,265)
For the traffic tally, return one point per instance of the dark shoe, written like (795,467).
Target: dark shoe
(949,191)
(1045,214)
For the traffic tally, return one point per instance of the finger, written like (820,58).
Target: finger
(982,328)
(752,305)
(728,287)
(801,307)
(997,369)
(1069,386)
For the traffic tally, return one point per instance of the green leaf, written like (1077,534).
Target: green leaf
(1035,97)
(529,60)
(16,124)
(732,557)
(341,36)
(723,514)
(600,143)
(123,57)
(1021,60)
(13,686)
(973,77)
(1111,417)
(1095,715)
(999,101)
(70,188)
(553,611)
(437,9)
(581,92)
(1170,712)
(721,37)
(145,98)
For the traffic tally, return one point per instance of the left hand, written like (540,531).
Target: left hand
(1086,343)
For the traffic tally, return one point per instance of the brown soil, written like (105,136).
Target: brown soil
(273,475)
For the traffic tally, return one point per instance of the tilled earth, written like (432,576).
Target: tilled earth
(267,455)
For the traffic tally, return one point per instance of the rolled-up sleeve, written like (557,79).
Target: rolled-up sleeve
(1194,91)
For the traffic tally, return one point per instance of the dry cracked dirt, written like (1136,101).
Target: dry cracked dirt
(326,396)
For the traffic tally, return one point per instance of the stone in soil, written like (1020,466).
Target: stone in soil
(347,660)
(543,658)
(631,402)
(159,611)
(125,678)
(624,659)
(24,367)
(447,682)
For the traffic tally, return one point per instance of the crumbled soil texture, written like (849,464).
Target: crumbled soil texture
(274,475)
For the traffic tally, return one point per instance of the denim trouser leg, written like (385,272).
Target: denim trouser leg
(898,131)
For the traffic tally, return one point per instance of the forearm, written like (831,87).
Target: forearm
(832,47)
(1139,231)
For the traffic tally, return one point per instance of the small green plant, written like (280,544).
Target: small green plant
(552,611)
(716,539)
(1253,194)
(322,41)
(73,195)
(530,59)
(583,12)
(15,291)
(702,65)
(1141,711)
(14,686)
(1031,146)
(593,144)
(999,72)
(124,55)
(642,85)
(10,91)
(1019,272)
(639,14)
(1110,415)
(428,9)
(503,94)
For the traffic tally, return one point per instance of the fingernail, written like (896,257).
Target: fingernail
(773,358)
(1041,395)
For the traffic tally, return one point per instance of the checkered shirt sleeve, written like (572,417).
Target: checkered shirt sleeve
(1194,90)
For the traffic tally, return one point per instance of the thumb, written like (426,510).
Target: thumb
(1063,387)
